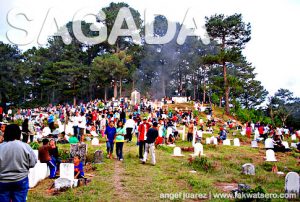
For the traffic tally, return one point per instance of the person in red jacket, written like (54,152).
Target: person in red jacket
(143,129)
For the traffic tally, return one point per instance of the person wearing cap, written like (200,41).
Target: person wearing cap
(44,157)
(222,135)
(152,134)
(143,129)
(16,158)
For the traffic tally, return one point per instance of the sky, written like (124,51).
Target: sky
(273,49)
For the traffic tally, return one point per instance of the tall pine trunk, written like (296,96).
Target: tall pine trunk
(115,89)
(120,88)
(226,89)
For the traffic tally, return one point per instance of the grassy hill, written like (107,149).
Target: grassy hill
(218,172)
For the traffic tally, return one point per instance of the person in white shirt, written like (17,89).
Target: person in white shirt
(75,124)
(81,125)
(129,125)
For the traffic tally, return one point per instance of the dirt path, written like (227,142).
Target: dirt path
(119,193)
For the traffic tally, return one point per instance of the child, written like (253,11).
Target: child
(119,139)
(78,167)
(110,133)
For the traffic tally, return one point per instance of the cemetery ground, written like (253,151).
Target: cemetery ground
(219,171)
(132,181)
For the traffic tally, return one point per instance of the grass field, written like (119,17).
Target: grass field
(132,181)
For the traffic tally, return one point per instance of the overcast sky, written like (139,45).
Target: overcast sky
(273,49)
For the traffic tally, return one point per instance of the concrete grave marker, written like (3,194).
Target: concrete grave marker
(236,142)
(294,145)
(198,149)
(292,183)
(215,141)
(207,140)
(254,144)
(79,149)
(226,142)
(248,169)
(67,170)
(286,144)
(269,143)
(98,156)
(270,155)
(177,152)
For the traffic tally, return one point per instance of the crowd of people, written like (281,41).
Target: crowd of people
(117,123)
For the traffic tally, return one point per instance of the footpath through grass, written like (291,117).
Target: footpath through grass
(132,181)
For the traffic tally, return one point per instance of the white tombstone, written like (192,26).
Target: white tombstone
(269,143)
(254,144)
(67,170)
(177,152)
(198,150)
(226,142)
(39,172)
(285,144)
(294,145)
(248,169)
(207,140)
(95,141)
(236,142)
(293,137)
(215,141)
(270,155)
(292,183)
(31,178)
(256,134)
(46,131)
(169,131)
(243,132)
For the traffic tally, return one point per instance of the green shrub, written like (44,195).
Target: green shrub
(202,164)
(34,145)
(64,154)
(196,113)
